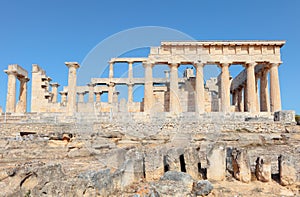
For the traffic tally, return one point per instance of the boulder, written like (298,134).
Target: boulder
(241,165)
(216,162)
(154,164)
(202,188)
(287,171)
(263,169)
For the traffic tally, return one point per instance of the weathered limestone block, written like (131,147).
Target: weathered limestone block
(287,171)
(241,165)
(191,158)
(287,116)
(154,165)
(172,159)
(216,163)
(263,169)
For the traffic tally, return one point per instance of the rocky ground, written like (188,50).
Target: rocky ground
(145,159)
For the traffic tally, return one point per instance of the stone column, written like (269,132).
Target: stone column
(174,97)
(130,92)
(110,92)
(240,103)
(257,105)
(111,69)
(225,88)
(234,97)
(11,92)
(72,78)
(63,97)
(130,71)
(54,87)
(91,92)
(274,88)
(80,97)
(245,98)
(22,103)
(148,88)
(264,94)
(200,100)
(251,92)
(98,97)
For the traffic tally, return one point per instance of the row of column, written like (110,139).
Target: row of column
(250,95)
(250,100)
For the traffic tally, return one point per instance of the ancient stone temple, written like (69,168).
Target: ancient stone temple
(186,136)
(172,93)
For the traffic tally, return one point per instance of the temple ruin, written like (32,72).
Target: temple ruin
(169,94)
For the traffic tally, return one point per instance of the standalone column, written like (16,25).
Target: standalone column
(91,92)
(111,69)
(22,104)
(71,104)
(225,88)
(264,94)
(54,87)
(11,92)
(80,97)
(110,92)
(274,88)
(199,88)
(251,92)
(245,98)
(130,92)
(148,88)
(234,97)
(174,97)
(98,97)
(240,103)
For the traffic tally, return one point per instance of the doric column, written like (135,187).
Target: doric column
(11,92)
(91,92)
(274,88)
(225,88)
(251,92)
(240,103)
(110,92)
(245,98)
(199,87)
(234,97)
(130,92)
(257,105)
(111,69)
(22,103)
(54,87)
(63,97)
(174,97)
(80,97)
(264,94)
(98,96)
(130,71)
(148,88)
(71,104)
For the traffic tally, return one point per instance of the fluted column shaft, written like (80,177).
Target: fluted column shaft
(11,92)
(54,87)
(148,88)
(72,79)
(22,104)
(264,94)
(240,103)
(111,69)
(275,88)
(91,92)
(174,97)
(251,91)
(80,97)
(245,98)
(225,88)
(110,92)
(130,93)
(199,88)
(98,97)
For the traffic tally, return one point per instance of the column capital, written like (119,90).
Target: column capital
(173,64)
(147,64)
(72,64)
(274,64)
(98,92)
(130,84)
(54,85)
(111,84)
(91,85)
(197,64)
(10,72)
(24,79)
(224,64)
(63,93)
(250,64)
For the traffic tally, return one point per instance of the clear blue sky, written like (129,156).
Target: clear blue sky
(51,32)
